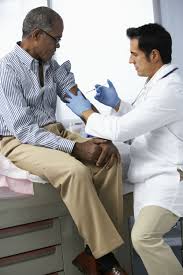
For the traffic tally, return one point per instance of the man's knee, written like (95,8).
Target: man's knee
(79,170)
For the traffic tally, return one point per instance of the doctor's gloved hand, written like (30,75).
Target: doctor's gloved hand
(77,103)
(107,95)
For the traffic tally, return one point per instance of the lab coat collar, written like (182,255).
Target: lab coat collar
(165,69)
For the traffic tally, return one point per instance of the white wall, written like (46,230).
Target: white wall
(170,14)
(95,41)
(12,13)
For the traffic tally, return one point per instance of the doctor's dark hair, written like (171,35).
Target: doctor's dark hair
(39,18)
(153,36)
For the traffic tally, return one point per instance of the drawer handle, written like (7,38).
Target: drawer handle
(27,256)
(25,228)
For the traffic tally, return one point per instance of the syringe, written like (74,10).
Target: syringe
(90,90)
(95,88)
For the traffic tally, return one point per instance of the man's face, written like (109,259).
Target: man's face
(50,41)
(142,64)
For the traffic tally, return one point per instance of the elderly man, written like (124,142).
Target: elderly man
(154,124)
(86,172)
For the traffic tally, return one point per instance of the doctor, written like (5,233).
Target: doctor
(155,124)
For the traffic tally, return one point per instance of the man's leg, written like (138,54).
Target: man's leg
(108,183)
(147,238)
(76,183)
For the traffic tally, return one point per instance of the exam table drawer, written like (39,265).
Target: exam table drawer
(38,262)
(31,236)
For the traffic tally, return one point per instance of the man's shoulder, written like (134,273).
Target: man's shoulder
(10,60)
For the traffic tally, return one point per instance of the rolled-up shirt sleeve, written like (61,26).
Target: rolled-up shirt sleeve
(19,118)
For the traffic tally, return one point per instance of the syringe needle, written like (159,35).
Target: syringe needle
(90,91)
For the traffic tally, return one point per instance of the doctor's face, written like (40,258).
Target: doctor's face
(142,64)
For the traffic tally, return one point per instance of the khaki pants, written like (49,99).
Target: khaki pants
(92,195)
(147,238)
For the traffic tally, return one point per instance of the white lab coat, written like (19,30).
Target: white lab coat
(156,126)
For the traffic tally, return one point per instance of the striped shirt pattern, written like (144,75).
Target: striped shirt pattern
(25,106)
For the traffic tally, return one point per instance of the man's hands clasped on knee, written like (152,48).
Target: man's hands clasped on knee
(109,153)
(97,151)
(86,151)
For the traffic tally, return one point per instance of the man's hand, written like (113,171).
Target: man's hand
(87,151)
(108,155)
(97,151)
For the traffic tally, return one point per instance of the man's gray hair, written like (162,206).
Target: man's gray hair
(41,18)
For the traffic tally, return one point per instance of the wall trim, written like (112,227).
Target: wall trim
(49,3)
(157,11)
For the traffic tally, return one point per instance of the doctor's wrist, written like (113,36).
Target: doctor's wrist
(86,114)
(116,108)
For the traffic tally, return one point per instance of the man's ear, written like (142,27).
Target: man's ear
(36,34)
(155,56)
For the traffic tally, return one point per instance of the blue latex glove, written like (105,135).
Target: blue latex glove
(77,103)
(107,95)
